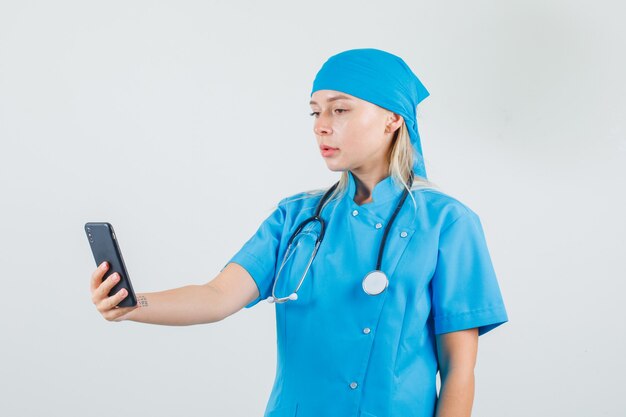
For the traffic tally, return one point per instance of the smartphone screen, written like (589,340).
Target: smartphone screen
(105,247)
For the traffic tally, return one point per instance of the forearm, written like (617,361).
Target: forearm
(456,395)
(191,304)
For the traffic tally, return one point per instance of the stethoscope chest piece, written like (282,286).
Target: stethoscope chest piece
(375,282)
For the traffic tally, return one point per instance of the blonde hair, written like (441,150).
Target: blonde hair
(401,154)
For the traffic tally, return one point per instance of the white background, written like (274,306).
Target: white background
(183,123)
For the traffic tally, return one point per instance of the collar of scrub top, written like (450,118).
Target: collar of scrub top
(382,192)
(381,78)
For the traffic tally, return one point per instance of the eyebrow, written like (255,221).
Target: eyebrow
(338,97)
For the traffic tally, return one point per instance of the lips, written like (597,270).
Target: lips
(328,151)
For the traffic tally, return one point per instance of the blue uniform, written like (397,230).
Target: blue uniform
(342,352)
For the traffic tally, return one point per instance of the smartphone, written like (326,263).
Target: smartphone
(105,247)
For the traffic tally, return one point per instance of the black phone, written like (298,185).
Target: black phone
(105,247)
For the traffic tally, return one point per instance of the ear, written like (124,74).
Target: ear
(394,121)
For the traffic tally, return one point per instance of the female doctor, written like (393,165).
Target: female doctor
(378,282)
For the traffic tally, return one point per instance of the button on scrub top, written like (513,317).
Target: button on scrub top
(344,353)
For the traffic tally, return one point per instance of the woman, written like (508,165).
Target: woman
(400,286)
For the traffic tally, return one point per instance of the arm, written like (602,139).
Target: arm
(230,291)
(457,358)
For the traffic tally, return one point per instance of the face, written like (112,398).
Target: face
(353,134)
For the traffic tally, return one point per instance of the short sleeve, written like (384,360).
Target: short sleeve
(465,289)
(258,255)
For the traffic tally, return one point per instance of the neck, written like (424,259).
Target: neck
(365,183)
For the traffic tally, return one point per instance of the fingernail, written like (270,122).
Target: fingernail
(116,276)
(104,265)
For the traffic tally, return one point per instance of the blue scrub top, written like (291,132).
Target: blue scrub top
(342,352)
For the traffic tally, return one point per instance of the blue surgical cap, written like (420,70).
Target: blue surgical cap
(381,78)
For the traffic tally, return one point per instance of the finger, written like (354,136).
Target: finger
(112,301)
(117,313)
(96,276)
(105,288)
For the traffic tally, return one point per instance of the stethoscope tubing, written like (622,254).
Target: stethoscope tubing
(390,222)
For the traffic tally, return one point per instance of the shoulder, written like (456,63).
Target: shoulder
(301,201)
(302,197)
(443,208)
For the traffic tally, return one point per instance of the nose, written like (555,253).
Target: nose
(322,125)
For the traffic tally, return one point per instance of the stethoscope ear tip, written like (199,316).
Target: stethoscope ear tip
(270,299)
(293,296)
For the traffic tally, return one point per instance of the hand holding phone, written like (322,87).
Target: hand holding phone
(110,284)
(108,305)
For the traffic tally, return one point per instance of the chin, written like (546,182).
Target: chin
(335,168)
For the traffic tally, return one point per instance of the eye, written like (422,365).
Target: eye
(338,111)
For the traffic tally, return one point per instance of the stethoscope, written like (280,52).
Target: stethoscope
(374,283)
